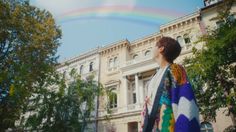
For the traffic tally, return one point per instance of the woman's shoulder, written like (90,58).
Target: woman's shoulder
(178,73)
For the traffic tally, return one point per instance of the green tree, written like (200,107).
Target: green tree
(29,39)
(68,107)
(212,69)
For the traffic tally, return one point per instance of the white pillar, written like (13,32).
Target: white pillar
(139,126)
(141,91)
(126,127)
(137,89)
(125,89)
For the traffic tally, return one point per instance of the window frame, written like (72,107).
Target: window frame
(147,53)
(81,69)
(206,127)
(135,56)
(91,66)
(115,61)
(113,99)
(186,39)
(181,40)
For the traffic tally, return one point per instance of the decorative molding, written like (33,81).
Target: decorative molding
(145,40)
(113,47)
(85,55)
(112,83)
(179,22)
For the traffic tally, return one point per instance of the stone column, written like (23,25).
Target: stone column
(141,92)
(137,89)
(125,89)
(139,126)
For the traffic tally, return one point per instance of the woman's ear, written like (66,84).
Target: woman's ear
(161,49)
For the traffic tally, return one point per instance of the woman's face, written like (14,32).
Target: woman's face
(157,52)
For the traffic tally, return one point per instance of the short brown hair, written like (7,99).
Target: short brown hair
(172,48)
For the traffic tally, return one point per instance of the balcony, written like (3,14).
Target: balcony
(138,60)
(138,65)
(113,70)
(131,108)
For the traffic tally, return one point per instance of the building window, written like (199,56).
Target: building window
(219,23)
(186,39)
(147,53)
(91,66)
(134,97)
(112,96)
(115,61)
(65,74)
(113,100)
(81,69)
(133,127)
(110,127)
(135,56)
(110,63)
(180,40)
(231,18)
(206,127)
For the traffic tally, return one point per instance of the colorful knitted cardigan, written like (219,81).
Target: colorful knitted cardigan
(177,110)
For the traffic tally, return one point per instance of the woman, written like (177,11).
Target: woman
(170,105)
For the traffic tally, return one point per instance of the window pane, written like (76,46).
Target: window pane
(110,63)
(91,66)
(210,130)
(115,61)
(219,24)
(206,127)
(81,69)
(113,100)
(134,98)
(186,39)
(180,40)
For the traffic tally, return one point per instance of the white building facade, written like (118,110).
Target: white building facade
(125,69)
(86,64)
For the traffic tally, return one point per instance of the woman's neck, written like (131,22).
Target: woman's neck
(162,62)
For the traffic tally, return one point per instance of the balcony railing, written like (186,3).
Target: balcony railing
(118,110)
(138,60)
(111,69)
(131,107)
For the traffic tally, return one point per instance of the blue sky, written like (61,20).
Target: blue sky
(87,24)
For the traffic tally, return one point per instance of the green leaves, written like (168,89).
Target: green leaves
(29,39)
(36,96)
(212,69)
(69,108)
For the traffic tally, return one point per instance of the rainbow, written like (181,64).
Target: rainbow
(125,13)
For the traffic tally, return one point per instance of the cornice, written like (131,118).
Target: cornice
(181,21)
(114,46)
(80,57)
